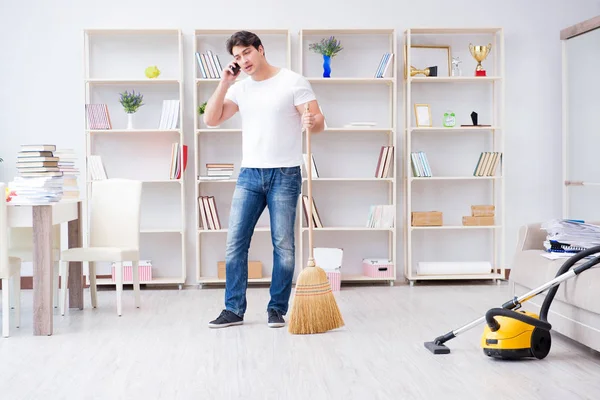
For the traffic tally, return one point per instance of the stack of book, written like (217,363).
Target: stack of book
(170,115)
(96,168)
(384,164)
(66,165)
(208,213)
(209,64)
(317,223)
(381,216)
(487,164)
(179,157)
(97,116)
(216,172)
(420,164)
(39,178)
(384,63)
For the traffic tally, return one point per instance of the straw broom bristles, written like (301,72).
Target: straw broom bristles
(315,309)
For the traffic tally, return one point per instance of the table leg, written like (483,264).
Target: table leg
(43,266)
(75,268)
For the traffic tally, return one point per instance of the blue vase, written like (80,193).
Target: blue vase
(326,66)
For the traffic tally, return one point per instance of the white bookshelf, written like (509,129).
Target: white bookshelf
(115,61)
(346,156)
(453,154)
(223,144)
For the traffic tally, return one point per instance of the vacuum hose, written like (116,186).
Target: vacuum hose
(494,325)
(564,268)
(542,322)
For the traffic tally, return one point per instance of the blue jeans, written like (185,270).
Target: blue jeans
(257,188)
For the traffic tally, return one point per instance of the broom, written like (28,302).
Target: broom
(315,309)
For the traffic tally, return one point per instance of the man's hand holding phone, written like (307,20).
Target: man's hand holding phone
(231,72)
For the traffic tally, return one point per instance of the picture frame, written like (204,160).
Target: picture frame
(424,56)
(423,115)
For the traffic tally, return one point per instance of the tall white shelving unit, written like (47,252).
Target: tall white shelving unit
(453,154)
(115,61)
(223,144)
(346,156)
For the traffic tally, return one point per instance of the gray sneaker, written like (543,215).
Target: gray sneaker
(275,318)
(225,319)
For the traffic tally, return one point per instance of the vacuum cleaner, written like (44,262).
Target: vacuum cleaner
(512,334)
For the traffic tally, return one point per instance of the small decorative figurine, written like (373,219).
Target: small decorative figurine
(455,68)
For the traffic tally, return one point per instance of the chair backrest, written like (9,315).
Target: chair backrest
(3,233)
(22,238)
(115,213)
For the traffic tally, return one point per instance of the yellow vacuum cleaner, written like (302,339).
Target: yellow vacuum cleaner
(512,334)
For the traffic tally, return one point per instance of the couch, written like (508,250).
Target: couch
(575,310)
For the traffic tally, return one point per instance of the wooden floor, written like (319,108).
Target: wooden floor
(165,351)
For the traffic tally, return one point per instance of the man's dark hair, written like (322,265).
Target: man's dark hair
(243,38)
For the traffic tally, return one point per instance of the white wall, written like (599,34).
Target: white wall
(41,89)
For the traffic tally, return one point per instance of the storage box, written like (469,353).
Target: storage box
(477,221)
(483,211)
(426,218)
(254,270)
(378,268)
(145,269)
(335,280)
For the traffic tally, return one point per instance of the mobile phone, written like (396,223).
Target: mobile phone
(235,69)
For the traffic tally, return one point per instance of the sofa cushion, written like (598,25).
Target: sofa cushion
(532,270)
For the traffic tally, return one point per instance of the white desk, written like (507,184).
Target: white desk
(41,217)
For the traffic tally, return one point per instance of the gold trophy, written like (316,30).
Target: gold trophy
(479,53)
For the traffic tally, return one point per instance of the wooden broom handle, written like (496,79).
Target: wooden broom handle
(310,199)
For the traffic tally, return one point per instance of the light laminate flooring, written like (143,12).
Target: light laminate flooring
(165,351)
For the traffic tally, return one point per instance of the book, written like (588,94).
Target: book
(97,116)
(170,115)
(179,158)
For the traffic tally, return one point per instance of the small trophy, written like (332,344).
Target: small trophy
(479,53)
(455,67)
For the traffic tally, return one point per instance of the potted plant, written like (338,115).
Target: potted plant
(329,48)
(131,102)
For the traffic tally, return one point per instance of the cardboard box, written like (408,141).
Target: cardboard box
(483,211)
(477,221)
(254,270)
(426,218)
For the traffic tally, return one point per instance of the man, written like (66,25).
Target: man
(271,101)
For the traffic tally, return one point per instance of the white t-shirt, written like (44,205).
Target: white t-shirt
(271,124)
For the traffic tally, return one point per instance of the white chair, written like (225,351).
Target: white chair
(10,270)
(115,207)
